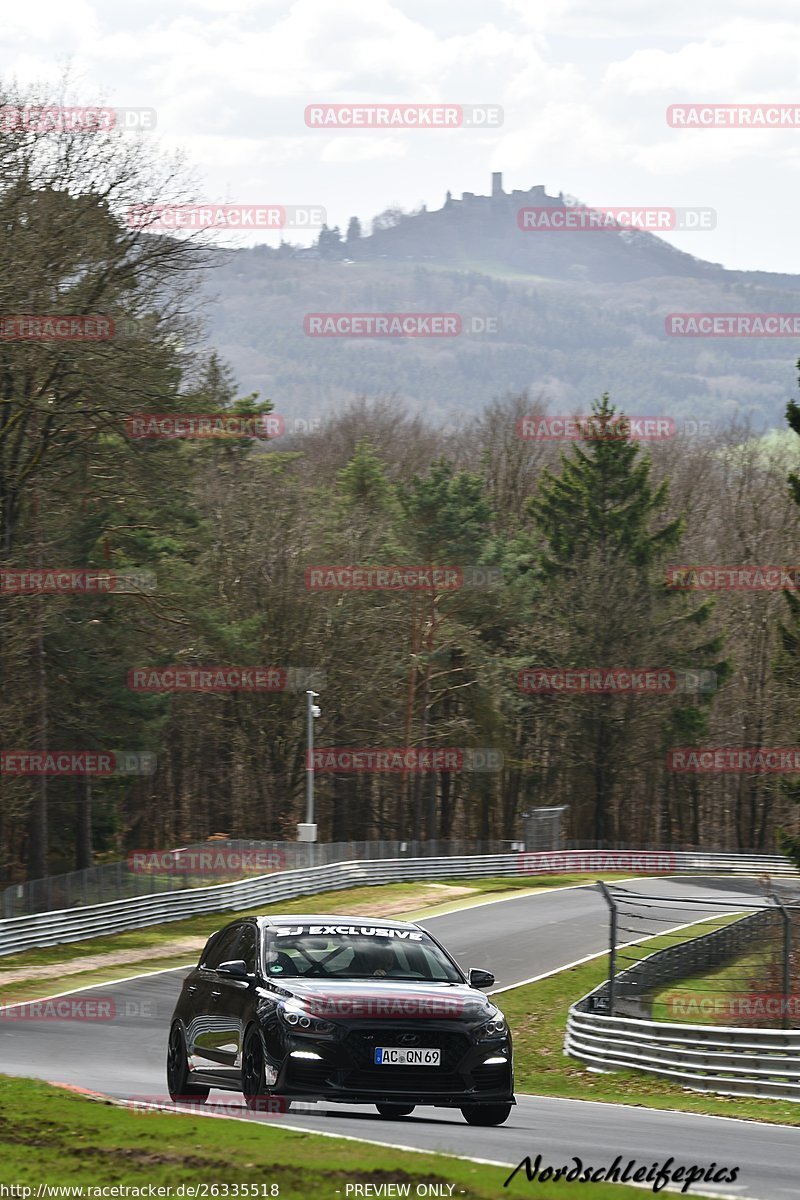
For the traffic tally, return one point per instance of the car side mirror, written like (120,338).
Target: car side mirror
(480,979)
(235,969)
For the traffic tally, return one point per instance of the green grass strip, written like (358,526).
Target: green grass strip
(51,1136)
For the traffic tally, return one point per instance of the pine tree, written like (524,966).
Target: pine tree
(788,665)
(329,242)
(599,584)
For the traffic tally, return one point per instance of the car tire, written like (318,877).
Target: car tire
(487,1114)
(178,1084)
(393,1111)
(254,1087)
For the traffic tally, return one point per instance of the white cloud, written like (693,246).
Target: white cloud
(361,149)
(560,134)
(584,86)
(48,21)
(741,56)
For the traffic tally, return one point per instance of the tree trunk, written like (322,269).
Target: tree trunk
(83,855)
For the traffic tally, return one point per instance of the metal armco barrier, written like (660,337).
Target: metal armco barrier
(659,862)
(238,858)
(52,928)
(71,925)
(608,1030)
(730,1060)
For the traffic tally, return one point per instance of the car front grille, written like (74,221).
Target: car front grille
(369,1077)
(361,1044)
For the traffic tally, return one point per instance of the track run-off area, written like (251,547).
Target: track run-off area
(519,939)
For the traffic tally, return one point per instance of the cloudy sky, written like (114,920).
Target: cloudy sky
(584,85)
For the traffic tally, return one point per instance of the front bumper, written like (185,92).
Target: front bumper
(346,1071)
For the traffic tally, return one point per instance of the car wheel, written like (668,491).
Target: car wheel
(178,1084)
(392,1111)
(257,1095)
(487,1114)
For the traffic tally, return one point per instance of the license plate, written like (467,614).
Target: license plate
(400,1056)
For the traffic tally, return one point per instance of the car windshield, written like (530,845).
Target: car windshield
(368,954)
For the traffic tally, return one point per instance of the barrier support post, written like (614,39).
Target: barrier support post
(612,944)
(787,961)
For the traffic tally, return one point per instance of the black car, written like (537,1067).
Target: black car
(340,1009)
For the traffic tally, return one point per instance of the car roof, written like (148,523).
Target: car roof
(335,919)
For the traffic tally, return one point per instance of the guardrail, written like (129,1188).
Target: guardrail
(706,1058)
(140,874)
(219,860)
(70,925)
(52,928)
(608,1029)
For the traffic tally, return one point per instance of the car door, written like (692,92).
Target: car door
(206,1032)
(233,1000)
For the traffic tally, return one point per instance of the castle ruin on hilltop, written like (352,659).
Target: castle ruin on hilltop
(499,198)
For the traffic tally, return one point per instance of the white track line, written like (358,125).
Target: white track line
(90,986)
(508,987)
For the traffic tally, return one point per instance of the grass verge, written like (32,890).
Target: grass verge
(726,995)
(48,1135)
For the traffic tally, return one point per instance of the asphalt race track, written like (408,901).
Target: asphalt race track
(517,939)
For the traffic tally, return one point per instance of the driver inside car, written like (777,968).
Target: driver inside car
(383,961)
(279,963)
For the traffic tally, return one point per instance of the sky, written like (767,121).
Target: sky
(584,86)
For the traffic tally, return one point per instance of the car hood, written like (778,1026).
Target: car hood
(385,999)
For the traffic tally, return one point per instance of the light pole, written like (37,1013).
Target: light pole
(307,832)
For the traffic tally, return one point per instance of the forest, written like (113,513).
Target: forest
(560,557)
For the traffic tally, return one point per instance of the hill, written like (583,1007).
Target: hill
(565,315)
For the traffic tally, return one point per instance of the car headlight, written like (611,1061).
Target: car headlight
(494,1028)
(300,1021)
